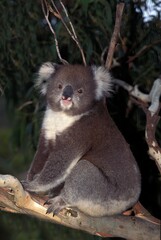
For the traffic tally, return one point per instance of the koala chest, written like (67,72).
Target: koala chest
(55,123)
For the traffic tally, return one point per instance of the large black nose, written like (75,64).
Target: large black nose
(67,92)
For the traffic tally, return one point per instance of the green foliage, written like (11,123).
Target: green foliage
(14,227)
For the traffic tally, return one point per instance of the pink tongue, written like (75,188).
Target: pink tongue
(66,102)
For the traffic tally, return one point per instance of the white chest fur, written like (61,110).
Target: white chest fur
(56,122)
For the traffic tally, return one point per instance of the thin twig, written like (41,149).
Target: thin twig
(119,12)
(74,33)
(71,32)
(66,13)
(46,14)
(141,51)
(60,16)
(1,90)
(25,105)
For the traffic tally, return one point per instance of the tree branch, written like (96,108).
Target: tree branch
(142,50)
(14,199)
(151,112)
(113,42)
(53,9)
(46,10)
(73,33)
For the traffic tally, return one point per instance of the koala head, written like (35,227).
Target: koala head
(73,89)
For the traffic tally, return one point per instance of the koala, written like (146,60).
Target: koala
(82,160)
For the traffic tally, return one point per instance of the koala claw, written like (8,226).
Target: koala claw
(52,209)
(56,205)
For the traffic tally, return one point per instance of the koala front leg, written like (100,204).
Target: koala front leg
(30,186)
(65,154)
(39,160)
(56,169)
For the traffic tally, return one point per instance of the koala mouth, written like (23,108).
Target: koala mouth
(66,103)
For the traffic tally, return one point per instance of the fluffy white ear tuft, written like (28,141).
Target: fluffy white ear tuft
(43,75)
(103,81)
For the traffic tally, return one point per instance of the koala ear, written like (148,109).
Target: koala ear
(103,82)
(43,76)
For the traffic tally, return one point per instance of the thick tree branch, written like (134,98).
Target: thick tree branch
(14,199)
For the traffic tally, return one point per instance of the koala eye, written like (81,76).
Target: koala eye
(60,86)
(80,90)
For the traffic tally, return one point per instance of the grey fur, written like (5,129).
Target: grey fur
(80,148)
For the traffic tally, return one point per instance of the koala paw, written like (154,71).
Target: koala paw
(56,205)
(29,186)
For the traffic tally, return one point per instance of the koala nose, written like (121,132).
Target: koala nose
(67,93)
